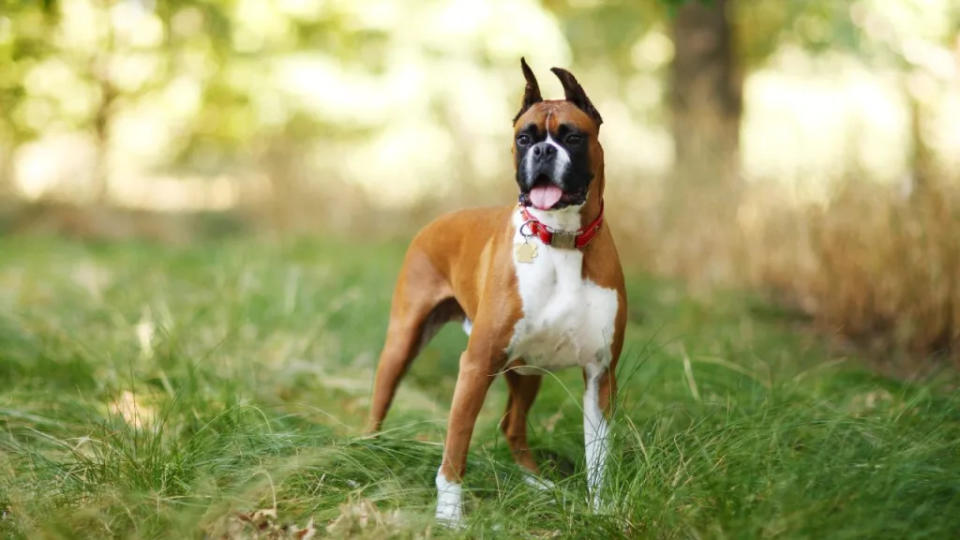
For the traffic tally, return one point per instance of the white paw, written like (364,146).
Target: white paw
(537,483)
(449,503)
(450,518)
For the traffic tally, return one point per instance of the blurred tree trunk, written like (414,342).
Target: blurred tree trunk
(921,159)
(705,105)
(6,167)
(99,70)
(101,128)
(705,98)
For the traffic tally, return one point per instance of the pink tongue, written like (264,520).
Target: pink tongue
(544,197)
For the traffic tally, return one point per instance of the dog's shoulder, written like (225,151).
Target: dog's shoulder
(482,217)
(467,250)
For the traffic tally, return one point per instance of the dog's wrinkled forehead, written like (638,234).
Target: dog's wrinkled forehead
(550,116)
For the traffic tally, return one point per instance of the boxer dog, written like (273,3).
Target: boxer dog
(538,286)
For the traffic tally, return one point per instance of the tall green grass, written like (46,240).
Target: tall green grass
(156,391)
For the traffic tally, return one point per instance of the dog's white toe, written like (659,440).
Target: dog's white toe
(452,520)
(538,483)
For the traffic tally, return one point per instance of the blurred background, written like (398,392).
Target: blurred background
(809,150)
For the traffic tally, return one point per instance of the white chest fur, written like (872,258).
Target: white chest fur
(567,320)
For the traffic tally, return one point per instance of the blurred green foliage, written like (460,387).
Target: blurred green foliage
(225,46)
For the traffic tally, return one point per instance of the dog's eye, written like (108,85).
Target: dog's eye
(523,139)
(573,138)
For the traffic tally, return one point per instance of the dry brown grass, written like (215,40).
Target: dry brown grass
(870,265)
(889,267)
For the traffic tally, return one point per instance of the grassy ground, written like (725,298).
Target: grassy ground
(150,391)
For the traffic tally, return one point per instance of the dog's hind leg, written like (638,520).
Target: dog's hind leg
(422,303)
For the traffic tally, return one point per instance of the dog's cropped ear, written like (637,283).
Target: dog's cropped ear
(574,93)
(531,94)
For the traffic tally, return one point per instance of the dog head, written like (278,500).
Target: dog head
(558,158)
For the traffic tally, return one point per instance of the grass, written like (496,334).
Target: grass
(158,391)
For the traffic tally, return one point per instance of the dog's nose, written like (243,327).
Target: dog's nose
(543,152)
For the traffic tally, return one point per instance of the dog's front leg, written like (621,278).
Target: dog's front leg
(474,379)
(596,403)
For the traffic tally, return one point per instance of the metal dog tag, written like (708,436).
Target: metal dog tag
(564,239)
(526,252)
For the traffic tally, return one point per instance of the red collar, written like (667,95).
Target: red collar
(561,239)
